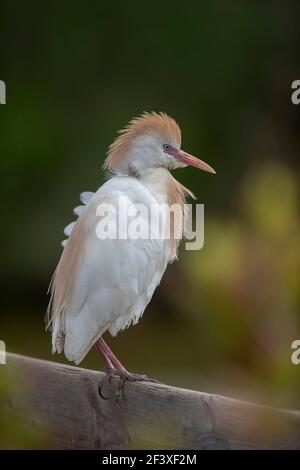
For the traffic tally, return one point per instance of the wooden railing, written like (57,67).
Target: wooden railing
(63,404)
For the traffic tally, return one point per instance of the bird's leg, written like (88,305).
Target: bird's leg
(110,360)
(110,370)
(118,367)
(108,364)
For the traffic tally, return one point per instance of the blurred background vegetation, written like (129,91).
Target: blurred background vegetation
(224,318)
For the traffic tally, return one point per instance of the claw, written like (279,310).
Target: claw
(123,376)
(107,378)
(130,377)
(120,389)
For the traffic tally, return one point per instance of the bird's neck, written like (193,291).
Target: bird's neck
(164,186)
(167,190)
(157,181)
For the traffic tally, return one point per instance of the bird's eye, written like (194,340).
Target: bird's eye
(166,147)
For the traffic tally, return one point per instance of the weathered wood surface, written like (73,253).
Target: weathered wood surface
(63,403)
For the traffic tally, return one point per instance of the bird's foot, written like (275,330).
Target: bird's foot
(114,368)
(123,376)
(131,377)
(107,379)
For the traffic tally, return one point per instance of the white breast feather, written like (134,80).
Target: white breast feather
(115,279)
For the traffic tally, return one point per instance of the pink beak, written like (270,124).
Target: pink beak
(189,160)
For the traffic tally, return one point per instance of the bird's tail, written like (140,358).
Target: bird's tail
(71,335)
(58,333)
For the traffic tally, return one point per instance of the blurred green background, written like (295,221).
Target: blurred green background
(224,318)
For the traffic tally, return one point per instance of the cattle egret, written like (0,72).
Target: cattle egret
(104,284)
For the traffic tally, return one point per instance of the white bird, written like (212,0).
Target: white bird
(104,284)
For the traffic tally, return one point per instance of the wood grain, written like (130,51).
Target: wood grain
(63,403)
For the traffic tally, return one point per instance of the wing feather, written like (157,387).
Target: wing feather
(99,284)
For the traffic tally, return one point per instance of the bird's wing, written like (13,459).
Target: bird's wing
(85,198)
(101,284)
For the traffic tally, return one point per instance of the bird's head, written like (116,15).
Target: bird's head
(150,141)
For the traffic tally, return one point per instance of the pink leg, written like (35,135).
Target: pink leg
(114,365)
(108,364)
